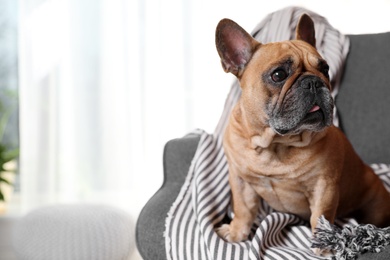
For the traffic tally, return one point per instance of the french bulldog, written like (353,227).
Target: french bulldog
(280,142)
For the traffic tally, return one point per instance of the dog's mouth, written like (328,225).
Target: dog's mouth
(314,108)
(314,116)
(313,120)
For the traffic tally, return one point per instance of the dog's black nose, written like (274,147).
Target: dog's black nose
(312,83)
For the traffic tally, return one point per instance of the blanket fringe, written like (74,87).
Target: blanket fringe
(351,240)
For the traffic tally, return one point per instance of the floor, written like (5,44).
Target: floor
(6,250)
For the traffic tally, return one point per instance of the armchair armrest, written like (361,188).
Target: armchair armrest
(178,154)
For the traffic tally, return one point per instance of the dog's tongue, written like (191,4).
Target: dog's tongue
(314,108)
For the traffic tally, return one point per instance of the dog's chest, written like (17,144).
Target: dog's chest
(283,195)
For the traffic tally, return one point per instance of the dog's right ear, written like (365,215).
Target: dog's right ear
(234,45)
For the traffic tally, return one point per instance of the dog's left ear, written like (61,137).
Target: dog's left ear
(305,30)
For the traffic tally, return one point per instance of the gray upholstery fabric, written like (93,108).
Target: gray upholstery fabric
(363,106)
(384,255)
(364,97)
(178,154)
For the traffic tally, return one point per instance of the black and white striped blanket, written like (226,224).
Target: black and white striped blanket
(204,199)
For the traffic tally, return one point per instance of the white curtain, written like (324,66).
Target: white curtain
(97,79)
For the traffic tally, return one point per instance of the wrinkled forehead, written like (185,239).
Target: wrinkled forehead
(291,51)
(304,51)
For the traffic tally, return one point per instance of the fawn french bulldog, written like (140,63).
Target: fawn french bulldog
(280,142)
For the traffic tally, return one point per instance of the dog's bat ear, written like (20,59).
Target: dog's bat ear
(234,45)
(305,30)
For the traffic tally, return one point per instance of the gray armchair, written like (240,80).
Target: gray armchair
(363,105)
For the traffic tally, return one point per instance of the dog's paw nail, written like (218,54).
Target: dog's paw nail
(322,252)
(224,232)
(227,233)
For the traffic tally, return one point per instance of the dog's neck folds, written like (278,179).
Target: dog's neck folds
(269,137)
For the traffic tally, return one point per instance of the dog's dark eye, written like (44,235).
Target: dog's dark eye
(279,75)
(325,70)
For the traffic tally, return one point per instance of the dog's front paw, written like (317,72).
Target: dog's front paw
(229,234)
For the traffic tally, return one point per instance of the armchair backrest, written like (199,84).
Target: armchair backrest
(363,101)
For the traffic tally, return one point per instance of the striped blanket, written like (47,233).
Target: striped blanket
(204,200)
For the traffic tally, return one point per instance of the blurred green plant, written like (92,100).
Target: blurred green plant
(7,153)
